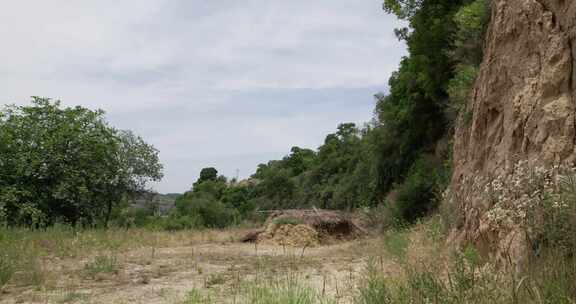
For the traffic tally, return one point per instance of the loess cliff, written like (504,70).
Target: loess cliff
(521,108)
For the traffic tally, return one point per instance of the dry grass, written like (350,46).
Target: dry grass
(59,257)
(414,265)
(61,265)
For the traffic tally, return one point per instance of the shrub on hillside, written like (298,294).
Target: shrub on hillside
(459,89)
(210,212)
(471,22)
(176,222)
(416,197)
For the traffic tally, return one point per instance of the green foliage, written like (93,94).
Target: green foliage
(67,165)
(212,203)
(417,196)
(459,282)
(459,89)
(339,175)
(471,21)
(411,117)
(133,217)
(551,223)
(204,211)
(176,222)
(207,174)
(357,166)
(213,188)
(240,198)
(404,9)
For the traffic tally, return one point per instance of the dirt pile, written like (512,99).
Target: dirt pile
(296,235)
(522,106)
(308,227)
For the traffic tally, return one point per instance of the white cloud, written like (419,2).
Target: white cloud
(148,61)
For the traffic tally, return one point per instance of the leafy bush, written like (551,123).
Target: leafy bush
(471,21)
(134,217)
(459,90)
(205,211)
(416,197)
(176,222)
(239,197)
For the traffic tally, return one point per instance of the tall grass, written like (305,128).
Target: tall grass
(539,202)
(283,290)
(275,290)
(7,267)
(101,264)
(194,296)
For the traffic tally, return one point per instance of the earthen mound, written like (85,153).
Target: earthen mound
(309,227)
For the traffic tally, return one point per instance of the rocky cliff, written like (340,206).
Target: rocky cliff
(522,108)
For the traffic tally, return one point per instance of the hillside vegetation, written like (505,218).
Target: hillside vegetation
(404,150)
(74,168)
(73,196)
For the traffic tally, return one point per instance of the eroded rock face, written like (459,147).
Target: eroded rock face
(523,106)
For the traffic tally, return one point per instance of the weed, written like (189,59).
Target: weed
(195,297)
(7,266)
(281,294)
(71,296)
(375,289)
(396,243)
(215,279)
(101,264)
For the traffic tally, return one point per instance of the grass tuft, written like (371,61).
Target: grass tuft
(101,264)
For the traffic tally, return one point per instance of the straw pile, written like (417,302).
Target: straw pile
(308,227)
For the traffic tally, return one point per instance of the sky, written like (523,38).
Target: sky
(210,83)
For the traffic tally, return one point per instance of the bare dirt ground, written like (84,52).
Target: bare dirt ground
(219,269)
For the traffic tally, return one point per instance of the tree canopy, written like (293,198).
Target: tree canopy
(60,164)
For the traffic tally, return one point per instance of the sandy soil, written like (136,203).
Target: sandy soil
(221,270)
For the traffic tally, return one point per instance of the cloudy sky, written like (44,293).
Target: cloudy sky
(223,83)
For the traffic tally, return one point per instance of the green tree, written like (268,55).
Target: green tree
(68,164)
(412,117)
(207,174)
(471,22)
(239,197)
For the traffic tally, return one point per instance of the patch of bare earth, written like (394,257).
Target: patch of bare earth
(221,270)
